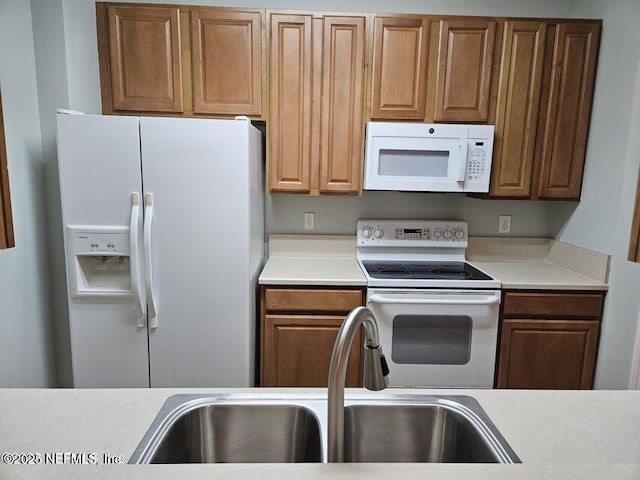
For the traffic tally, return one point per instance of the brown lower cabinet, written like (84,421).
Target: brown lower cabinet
(549,340)
(298,330)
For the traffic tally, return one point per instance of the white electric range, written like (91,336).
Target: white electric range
(437,314)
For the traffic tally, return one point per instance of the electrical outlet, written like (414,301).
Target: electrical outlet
(309,220)
(504,224)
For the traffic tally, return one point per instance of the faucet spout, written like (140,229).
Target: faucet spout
(375,373)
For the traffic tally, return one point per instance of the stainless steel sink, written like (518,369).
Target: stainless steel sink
(442,432)
(210,430)
(292,427)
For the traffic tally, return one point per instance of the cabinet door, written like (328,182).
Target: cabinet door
(145,63)
(227,61)
(517,109)
(297,351)
(6,222)
(465,59)
(569,109)
(399,81)
(342,125)
(634,240)
(290,103)
(547,354)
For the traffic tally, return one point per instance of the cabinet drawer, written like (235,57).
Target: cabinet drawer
(312,300)
(556,305)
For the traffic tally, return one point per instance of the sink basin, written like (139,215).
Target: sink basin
(292,427)
(228,433)
(440,432)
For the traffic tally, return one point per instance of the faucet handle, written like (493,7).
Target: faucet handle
(375,369)
(385,366)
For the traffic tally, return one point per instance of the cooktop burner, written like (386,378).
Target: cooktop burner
(423,270)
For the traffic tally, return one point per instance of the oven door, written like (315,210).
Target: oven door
(437,338)
(415,163)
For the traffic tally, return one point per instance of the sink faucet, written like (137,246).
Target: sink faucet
(375,373)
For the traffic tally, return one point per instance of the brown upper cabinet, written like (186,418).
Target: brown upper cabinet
(432,69)
(532,78)
(399,79)
(518,100)
(226,51)
(180,60)
(316,123)
(144,54)
(568,109)
(465,61)
(543,109)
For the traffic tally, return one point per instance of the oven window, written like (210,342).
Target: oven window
(431,339)
(411,163)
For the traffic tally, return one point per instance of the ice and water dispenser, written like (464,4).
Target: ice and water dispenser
(99,261)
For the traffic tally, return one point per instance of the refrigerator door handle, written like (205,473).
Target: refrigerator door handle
(134,260)
(148,219)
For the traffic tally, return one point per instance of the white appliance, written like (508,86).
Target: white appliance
(164,241)
(428,157)
(437,314)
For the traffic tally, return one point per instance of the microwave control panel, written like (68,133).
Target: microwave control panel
(411,233)
(477,161)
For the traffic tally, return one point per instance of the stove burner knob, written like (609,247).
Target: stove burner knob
(378,232)
(459,234)
(366,232)
(448,234)
(437,234)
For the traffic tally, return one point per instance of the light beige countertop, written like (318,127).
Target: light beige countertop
(538,275)
(519,263)
(539,263)
(312,260)
(556,434)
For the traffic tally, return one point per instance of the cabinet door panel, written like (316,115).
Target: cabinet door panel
(312,300)
(341,136)
(634,241)
(290,103)
(553,305)
(227,60)
(547,354)
(569,109)
(297,351)
(6,221)
(144,45)
(399,82)
(517,110)
(465,59)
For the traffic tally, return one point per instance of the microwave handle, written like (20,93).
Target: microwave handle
(489,300)
(462,150)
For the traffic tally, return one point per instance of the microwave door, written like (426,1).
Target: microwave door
(416,164)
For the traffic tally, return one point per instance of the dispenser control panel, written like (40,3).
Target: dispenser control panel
(101,243)
(99,261)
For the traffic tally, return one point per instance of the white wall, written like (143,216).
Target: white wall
(53,92)
(26,331)
(338,215)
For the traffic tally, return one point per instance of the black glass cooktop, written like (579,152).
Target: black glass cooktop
(423,270)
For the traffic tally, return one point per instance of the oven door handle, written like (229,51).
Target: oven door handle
(433,301)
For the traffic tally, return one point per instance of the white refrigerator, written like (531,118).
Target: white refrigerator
(164,241)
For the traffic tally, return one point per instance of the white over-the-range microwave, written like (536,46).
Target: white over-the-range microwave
(428,157)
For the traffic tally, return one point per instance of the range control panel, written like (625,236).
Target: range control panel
(424,233)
